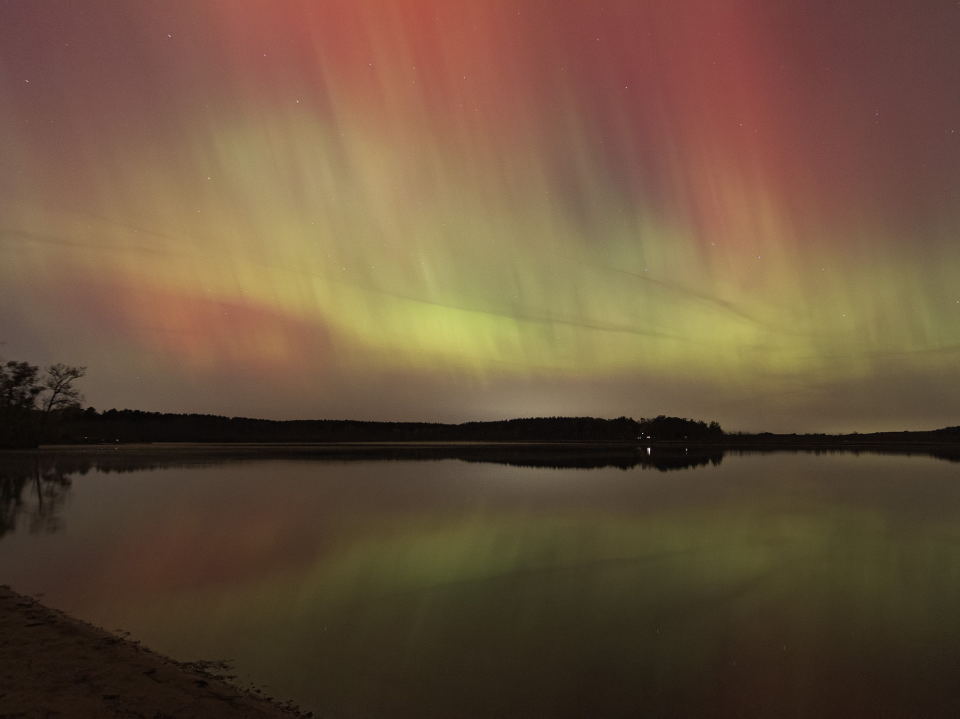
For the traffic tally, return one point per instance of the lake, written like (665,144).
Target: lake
(520,583)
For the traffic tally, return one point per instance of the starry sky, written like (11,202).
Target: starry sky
(743,210)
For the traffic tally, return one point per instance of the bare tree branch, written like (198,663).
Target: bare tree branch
(58,387)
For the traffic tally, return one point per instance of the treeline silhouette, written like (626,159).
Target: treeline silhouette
(112,426)
(33,402)
(72,425)
(942,436)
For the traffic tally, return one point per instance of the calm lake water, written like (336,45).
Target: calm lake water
(756,585)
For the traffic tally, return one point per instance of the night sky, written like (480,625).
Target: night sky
(743,210)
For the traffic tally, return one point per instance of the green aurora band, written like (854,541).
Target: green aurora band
(430,210)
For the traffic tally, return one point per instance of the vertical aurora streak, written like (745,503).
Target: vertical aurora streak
(431,210)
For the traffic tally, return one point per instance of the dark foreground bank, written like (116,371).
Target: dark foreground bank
(54,665)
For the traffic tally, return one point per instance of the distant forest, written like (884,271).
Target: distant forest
(45,407)
(90,426)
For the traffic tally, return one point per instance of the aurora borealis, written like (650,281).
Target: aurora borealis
(423,209)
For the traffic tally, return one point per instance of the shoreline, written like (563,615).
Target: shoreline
(53,664)
(662,455)
(335,450)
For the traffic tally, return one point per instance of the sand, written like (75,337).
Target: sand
(52,665)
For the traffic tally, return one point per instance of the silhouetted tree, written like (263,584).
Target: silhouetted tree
(58,392)
(19,387)
(22,387)
(678,428)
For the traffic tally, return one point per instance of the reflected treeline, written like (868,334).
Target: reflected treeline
(663,459)
(948,453)
(35,487)
(552,456)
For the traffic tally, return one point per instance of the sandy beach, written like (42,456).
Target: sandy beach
(52,665)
